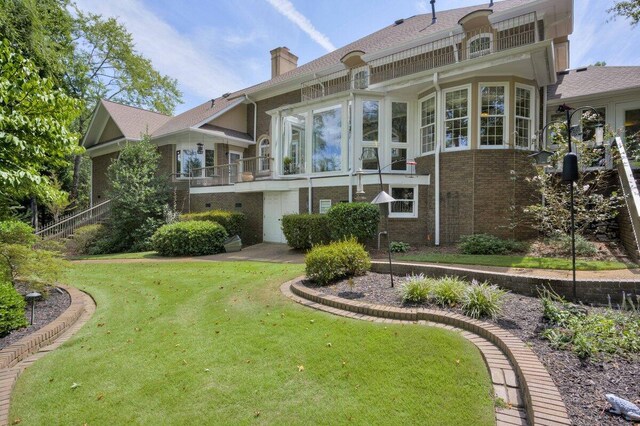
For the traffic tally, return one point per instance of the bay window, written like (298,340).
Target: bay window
(399,116)
(456,121)
(294,144)
(192,159)
(524,116)
(492,115)
(370,134)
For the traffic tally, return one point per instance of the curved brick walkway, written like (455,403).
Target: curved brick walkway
(518,376)
(20,355)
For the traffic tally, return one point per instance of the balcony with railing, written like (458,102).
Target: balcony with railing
(501,36)
(243,170)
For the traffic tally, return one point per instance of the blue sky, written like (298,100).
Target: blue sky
(214,46)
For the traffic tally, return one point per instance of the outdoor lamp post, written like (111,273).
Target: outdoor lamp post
(570,172)
(31,297)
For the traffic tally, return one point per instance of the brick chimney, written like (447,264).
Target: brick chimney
(282,61)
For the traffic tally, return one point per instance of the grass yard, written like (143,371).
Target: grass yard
(515,261)
(217,343)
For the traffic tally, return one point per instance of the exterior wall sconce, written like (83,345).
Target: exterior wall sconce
(200,146)
(359,187)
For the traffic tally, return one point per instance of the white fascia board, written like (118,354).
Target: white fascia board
(303,183)
(93,118)
(240,142)
(219,113)
(328,98)
(108,148)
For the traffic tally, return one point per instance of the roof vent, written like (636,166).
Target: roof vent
(399,21)
(433,12)
(213,102)
(491,3)
(581,69)
(226,95)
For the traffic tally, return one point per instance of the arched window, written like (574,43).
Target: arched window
(480,45)
(264,152)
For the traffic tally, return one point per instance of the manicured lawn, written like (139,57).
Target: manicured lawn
(115,256)
(515,261)
(217,343)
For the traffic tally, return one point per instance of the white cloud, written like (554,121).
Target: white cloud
(198,72)
(289,11)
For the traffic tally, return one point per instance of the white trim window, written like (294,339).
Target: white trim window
(406,204)
(479,45)
(524,116)
(370,134)
(294,135)
(360,78)
(493,115)
(428,124)
(324,205)
(326,139)
(264,152)
(399,136)
(191,160)
(456,118)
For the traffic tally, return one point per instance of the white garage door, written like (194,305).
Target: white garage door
(275,205)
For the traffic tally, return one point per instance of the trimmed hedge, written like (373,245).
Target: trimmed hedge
(304,231)
(16,232)
(12,309)
(341,259)
(232,222)
(488,244)
(359,220)
(192,238)
(85,238)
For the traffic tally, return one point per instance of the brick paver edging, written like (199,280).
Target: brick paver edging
(596,290)
(542,400)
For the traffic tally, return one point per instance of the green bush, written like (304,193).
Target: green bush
(449,291)
(417,289)
(488,244)
(84,238)
(359,220)
(585,248)
(233,222)
(16,232)
(304,231)
(12,307)
(340,259)
(482,300)
(192,238)
(588,334)
(399,247)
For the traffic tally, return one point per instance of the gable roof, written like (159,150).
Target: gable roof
(133,121)
(593,80)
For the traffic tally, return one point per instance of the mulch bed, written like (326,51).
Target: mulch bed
(47,310)
(582,384)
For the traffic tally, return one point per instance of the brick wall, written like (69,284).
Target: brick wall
(248,203)
(264,120)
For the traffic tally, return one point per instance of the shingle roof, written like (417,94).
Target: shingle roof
(133,121)
(592,81)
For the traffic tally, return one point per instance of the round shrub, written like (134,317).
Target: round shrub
(192,238)
(487,244)
(84,238)
(11,309)
(482,300)
(16,232)
(233,222)
(584,247)
(340,259)
(304,231)
(359,220)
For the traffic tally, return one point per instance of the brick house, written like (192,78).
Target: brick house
(449,104)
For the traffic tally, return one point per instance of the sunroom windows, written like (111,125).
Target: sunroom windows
(493,115)
(428,124)
(327,139)
(370,134)
(456,118)
(523,116)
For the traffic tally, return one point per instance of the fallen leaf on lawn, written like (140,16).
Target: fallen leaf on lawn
(328,345)
(207,370)
(301,368)
(312,321)
(257,413)
(75,385)
(99,396)
(16,421)
(184,361)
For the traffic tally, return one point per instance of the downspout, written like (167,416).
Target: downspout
(436,84)
(255,120)
(352,138)
(309,196)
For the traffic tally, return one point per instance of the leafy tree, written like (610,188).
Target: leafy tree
(600,64)
(139,198)
(627,9)
(594,201)
(34,129)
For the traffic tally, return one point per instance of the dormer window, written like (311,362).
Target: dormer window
(480,45)
(360,79)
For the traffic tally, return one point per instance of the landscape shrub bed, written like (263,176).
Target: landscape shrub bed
(12,307)
(304,231)
(84,239)
(232,222)
(476,300)
(359,220)
(488,244)
(340,259)
(191,238)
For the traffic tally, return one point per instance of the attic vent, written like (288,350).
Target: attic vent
(581,69)
(399,21)
(563,72)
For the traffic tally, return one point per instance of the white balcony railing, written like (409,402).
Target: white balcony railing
(243,170)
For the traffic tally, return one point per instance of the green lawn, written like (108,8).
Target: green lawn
(515,261)
(217,343)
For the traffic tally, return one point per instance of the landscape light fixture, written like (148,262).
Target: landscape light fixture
(31,297)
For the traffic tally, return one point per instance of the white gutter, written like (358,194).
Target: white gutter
(440,119)
(255,119)
(309,196)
